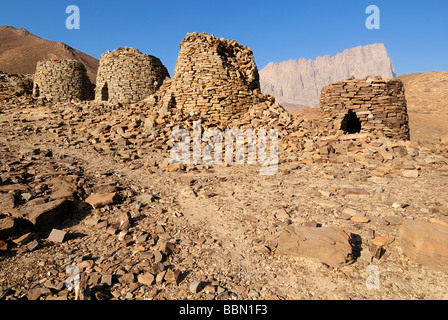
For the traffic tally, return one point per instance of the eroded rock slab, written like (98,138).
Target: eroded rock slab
(327,245)
(98,200)
(8,227)
(43,216)
(425,243)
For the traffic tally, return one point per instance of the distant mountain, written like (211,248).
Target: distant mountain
(20,51)
(298,83)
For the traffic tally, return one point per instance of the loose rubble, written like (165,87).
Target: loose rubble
(87,190)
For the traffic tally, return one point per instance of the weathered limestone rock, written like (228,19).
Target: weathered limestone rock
(327,245)
(146,279)
(425,243)
(98,200)
(58,236)
(6,201)
(62,188)
(410,173)
(8,227)
(44,216)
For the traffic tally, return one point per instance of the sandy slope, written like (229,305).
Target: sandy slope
(20,51)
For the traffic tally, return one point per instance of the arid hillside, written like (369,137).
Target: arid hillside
(427,97)
(20,51)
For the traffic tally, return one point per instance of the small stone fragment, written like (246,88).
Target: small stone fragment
(173,276)
(4,246)
(107,279)
(410,173)
(33,245)
(146,279)
(382,241)
(394,220)
(23,239)
(359,219)
(58,236)
(158,256)
(175,167)
(98,200)
(195,287)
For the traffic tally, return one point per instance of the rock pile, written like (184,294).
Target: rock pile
(127,75)
(62,80)
(372,104)
(14,85)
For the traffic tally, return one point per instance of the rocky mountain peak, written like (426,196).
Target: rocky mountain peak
(297,83)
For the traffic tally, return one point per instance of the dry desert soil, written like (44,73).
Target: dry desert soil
(209,232)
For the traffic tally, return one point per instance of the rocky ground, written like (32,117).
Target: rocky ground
(137,228)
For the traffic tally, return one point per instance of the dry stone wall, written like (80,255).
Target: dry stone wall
(214,79)
(127,75)
(62,80)
(372,104)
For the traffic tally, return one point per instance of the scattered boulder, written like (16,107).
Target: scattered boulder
(44,216)
(327,245)
(8,227)
(410,173)
(382,241)
(425,243)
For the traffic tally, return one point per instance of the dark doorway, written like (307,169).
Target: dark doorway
(105,93)
(351,123)
(36,91)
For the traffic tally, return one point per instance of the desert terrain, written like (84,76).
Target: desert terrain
(92,207)
(207,232)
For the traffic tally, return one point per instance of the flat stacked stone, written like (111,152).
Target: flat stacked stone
(379,105)
(62,80)
(215,79)
(127,75)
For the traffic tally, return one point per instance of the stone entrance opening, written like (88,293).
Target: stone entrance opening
(36,91)
(351,123)
(105,93)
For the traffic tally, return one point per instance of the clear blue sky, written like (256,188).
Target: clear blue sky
(415,33)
